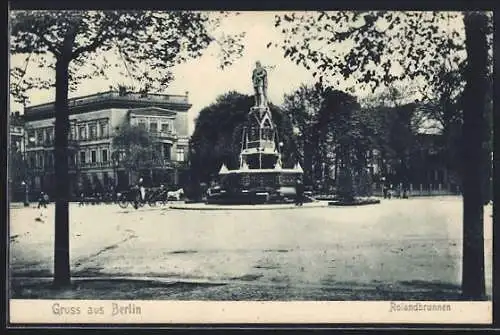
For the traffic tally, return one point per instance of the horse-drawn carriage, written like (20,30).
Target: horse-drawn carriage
(152,197)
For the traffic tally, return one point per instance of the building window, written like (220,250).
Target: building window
(153,127)
(142,124)
(82,157)
(93,156)
(166,151)
(32,162)
(103,129)
(164,127)
(93,131)
(104,155)
(31,137)
(106,180)
(48,135)
(82,133)
(39,136)
(71,160)
(40,160)
(180,154)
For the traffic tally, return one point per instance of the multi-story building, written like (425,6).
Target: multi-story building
(94,120)
(16,126)
(16,169)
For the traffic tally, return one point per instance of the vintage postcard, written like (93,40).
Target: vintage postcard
(202,167)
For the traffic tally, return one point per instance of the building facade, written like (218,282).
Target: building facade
(94,120)
(16,166)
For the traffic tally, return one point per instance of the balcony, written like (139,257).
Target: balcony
(96,165)
(163,134)
(48,143)
(51,143)
(164,163)
(73,143)
(161,163)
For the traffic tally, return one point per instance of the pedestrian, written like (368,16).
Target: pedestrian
(41,200)
(299,193)
(82,199)
(142,189)
(137,192)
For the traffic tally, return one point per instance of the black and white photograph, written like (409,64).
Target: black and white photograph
(252,166)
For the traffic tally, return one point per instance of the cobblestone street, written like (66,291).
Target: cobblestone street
(398,249)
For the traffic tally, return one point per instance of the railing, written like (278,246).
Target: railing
(48,143)
(163,134)
(73,143)
(115,95)
(95,138)
(51,143)
(420,190)
(106,164)
(163,163)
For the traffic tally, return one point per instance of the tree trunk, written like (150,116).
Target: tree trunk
(61,251)
(308,161)
(336,166)
(62,274)
(473,278)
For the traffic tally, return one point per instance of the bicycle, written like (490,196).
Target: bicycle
(130,197)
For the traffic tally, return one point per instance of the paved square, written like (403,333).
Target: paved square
(397,249)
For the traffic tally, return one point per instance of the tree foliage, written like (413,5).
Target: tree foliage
(135,146)
(333,133)
(374,47)
(146,43)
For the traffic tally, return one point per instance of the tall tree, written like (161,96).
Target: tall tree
(217,134)
(135,146)
(475,131)
(70,42)
(302,107)
(333,132)
(379,48)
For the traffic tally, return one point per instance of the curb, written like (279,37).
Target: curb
(246,207)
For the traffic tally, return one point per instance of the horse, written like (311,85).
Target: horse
(175,195)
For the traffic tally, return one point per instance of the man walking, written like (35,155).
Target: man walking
(299,193)
(43,200)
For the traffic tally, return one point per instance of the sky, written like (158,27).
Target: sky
(203,78)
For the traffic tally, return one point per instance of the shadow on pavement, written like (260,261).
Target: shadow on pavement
(239,289)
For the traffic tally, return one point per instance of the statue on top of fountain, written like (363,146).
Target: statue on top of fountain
(259,79)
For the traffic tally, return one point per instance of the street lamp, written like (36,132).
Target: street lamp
(30,141)
(115,158)
(26,194)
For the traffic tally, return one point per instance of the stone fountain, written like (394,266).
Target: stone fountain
(260,177)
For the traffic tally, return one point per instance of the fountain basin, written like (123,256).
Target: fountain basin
(255,186)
